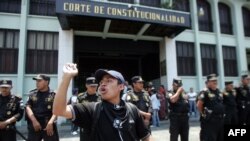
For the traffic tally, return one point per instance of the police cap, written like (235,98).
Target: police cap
(245,76)
(135,79)
(42,77)
(177,81)
(5,83)
(228,82)
(150,84)
(211,77)
(91,81)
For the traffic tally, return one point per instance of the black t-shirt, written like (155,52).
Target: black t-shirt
(106,128)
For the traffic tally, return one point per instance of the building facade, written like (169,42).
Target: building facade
(36,38)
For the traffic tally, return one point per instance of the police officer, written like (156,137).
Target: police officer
(149,88)
(210,105)
(243,100)
(179,109)
(90,95)
(41,121)
(230,105)
(11,111)
(139,97)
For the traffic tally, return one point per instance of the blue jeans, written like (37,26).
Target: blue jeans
(192,108)
(156,119)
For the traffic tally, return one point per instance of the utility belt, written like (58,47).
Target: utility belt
(178,114)
(209,114)
(243,104)
(9,127)
(218,116)
(42,120)
(85,131)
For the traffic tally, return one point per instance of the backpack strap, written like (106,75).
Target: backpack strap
(132,110)
(96,114)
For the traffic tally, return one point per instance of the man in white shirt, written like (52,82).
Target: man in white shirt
(155,106)
(192,97)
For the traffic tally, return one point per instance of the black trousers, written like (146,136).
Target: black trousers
(231,117)
(84,135)
(7,135)
(212,129)
(244,115)
(179,125)
(38,136)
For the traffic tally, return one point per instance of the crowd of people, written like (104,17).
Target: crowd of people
(111,109)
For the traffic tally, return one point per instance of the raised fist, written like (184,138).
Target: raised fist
(70,69)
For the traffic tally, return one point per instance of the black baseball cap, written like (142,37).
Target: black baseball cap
(5,83)
(101,72)
(137,79)
(91,81)
(42,77)
(177,81)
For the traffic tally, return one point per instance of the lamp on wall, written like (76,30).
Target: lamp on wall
(201,12)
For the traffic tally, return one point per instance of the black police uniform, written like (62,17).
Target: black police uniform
(86,98)
(179,119)
(141,100)
(230,105)
(212,121)
(11,106)
(41,103)
(243,103)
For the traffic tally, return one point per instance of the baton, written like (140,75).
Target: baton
(19,133)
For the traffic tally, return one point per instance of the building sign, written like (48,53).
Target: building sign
(123,11)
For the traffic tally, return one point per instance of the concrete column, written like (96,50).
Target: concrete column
(22,46)
(240,36)
(136,1)
(162,59)
(65,55)
(171,60)
(195,26)
(219,52)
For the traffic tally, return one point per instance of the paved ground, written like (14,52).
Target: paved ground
(159,133)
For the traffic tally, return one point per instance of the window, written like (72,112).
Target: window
(185,59)
(152,3)
(230,61)
(205,21)
(225,19)
(9,40)
(124,1)
(43,7)
(42,52)
(246,20)
(181,5)
(208,57)
(11,6)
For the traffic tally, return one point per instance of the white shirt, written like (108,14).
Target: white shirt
(155,102)
(192,96)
